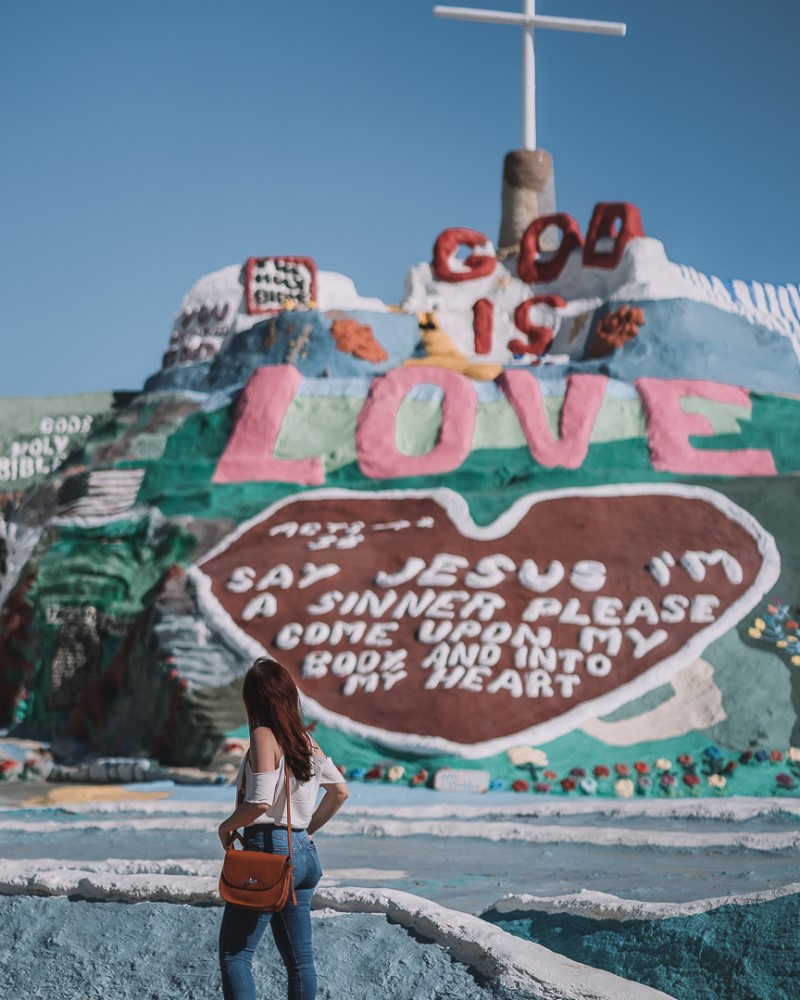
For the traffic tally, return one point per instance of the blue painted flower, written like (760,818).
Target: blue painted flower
(761,756)
(713,752)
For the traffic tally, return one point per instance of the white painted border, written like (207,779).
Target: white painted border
(606,906)
(455,506)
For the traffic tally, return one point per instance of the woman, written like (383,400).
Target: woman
(277,734)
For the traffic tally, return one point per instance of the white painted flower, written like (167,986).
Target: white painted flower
(662,764)
(623,788)
(527,755)
(395,772)
(717,780)
(793,753)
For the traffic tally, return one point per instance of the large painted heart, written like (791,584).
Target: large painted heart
(403,621)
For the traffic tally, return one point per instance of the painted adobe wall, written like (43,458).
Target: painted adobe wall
(547,503)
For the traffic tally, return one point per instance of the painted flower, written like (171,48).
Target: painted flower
(731,766)
(578,772)
(785,780)
(601,771)
(761,756)
(374,773)
(776,756)
(662,764)
(717,781)
(793,754)
(668,781)
(520,785)
(641,767)
(588,786)
(685,760)
(550,774)
(622,769)
(543,787)
(569,784)
(495,785)
(644,783)
(692,780)
(713,752)
(624,788)
(395,772)
(520,756)
(419,778)
(357,773)
(746,757)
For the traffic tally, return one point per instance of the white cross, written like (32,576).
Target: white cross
(528,21)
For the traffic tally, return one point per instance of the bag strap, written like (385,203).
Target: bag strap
(289,824)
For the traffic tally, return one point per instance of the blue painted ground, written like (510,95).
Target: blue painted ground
(732,953)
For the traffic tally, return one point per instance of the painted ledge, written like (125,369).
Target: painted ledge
(514,963)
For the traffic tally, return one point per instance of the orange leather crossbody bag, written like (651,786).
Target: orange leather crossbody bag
(258,880)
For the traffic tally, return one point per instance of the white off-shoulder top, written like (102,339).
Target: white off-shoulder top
(269,787)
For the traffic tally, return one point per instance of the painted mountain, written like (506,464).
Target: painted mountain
(548,505)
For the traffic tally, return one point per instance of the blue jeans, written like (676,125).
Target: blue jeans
(242,929)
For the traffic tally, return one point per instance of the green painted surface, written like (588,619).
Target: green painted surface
(739,952)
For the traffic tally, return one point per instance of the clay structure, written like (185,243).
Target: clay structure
(548,500)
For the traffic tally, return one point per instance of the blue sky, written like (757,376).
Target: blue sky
(146,144)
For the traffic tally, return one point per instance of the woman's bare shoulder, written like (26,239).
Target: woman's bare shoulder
(318,751)
(264,750)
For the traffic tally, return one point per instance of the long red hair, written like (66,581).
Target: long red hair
(271,699)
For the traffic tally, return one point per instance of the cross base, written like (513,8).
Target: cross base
(528,193)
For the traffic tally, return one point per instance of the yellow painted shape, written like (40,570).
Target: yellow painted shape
(441,351)
(759,623)
(754,633)
(70,794)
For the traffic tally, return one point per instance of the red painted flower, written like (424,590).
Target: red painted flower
(601,771)
(550,774)
(419,778)
(374,773)
(731,766)
(542,787)
(569,784)
(691,780)
(685,759)
(622,769)
(520,785)
(776,755)
(641,767)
